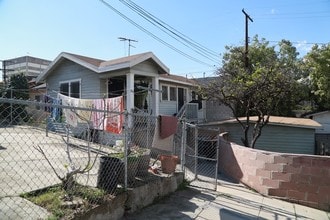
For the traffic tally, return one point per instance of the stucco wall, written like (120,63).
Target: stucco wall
(303,179)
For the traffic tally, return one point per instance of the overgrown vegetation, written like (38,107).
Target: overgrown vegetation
(54,200)
(275,81)
(17,89)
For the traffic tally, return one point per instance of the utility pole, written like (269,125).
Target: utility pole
(4,72)
(129,43)
(247,18)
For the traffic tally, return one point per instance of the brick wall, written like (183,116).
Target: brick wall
(304,179)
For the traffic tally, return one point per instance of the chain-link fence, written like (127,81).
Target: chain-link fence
(59,160)
(201,155)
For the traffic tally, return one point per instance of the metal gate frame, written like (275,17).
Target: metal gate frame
(200,155)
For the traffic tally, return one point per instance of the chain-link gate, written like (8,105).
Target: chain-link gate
(201,153)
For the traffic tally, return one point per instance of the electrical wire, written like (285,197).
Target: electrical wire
(172,32)
(154,36)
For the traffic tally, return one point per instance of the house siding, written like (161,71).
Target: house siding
(324,120)
(215,111)
(68,70)
(277,138)
(167,108)
(145,67)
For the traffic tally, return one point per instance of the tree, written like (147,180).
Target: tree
(261,89)
(18,88)
(318,63)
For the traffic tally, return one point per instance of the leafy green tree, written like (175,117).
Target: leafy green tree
(17,89)
(262,89)
(318,63)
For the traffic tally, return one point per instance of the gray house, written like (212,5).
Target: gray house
(142,79)
(322,134)
(281,134)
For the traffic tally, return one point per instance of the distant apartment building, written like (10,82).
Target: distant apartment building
(31,67)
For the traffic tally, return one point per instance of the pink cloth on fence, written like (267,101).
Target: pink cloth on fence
(168,126)
(98,117)
(114,117)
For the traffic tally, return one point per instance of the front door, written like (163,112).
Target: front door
(181,98)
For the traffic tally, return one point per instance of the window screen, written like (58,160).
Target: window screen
(164,93)
(172,94)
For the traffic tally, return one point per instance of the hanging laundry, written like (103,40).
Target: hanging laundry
(48,99)
(104,114)
(70,114)
(114,117)
(98,116)
(56,111)
(85,115)
(168,125)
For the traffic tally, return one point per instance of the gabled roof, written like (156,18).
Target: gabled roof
(277,120)
(317,113)
(176,79)
(102,66)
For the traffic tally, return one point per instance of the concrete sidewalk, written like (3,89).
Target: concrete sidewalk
(230,202)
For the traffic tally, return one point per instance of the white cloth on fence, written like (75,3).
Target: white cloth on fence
(70,114)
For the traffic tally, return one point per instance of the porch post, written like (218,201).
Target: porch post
(130,92)
(155,96)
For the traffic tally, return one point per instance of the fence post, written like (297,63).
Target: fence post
(183,144)
(196,150)
(217,162)
(126,144)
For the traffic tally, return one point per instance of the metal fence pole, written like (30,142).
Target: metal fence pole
(217,163)
(183,145)
(196,151)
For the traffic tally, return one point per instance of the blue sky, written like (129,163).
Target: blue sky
(46,28)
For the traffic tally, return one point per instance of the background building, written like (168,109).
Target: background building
(31,67)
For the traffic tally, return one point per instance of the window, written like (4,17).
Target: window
(169,93)
(75,89)
(70,88)
(164,93)
(64,88)
(172,94)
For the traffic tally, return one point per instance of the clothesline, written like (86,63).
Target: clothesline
(108,121)
(109,116)
(112,92)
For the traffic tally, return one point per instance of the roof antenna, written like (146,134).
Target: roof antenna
(129,43)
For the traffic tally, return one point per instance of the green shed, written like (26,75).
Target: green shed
(281,134)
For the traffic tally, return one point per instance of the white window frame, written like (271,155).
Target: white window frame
(69,82)
(168,86)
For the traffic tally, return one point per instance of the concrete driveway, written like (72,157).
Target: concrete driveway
(23,168)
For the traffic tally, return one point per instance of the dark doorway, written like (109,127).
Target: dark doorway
(181,98)
(116,87)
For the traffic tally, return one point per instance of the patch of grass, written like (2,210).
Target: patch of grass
(49,198)
(89,194)
(52,199)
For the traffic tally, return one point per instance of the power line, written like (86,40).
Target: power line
(172,32)
(154,36)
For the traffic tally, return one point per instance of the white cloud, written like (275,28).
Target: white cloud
(303,47)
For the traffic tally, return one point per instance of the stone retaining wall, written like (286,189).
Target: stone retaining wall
(304,179)
(136,198)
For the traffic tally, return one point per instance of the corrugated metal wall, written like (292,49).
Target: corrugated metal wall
(277,138)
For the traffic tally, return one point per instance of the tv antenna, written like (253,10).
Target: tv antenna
(129,43)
